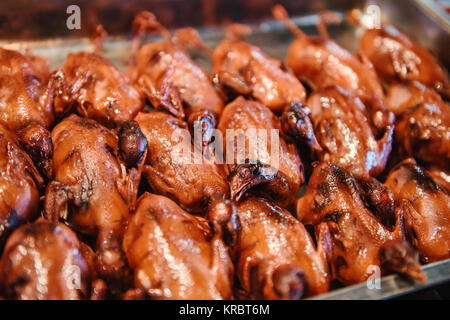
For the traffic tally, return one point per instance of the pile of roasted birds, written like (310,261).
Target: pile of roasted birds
(91,186)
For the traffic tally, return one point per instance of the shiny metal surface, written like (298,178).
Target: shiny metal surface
(392,286)
(436,11)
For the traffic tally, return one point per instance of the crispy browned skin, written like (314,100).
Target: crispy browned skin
(26,104)
(321,62)
(396,57)
(334,201)
(423,123)
(441,176)
(247,70)
(170,79)
(176,255)
(91,189)
(23,92)
(19,184)
(335,66)
(192,185)
(46,261)
(275,256)
(91,85)
(187,80)
(424,132)
(242,114)
(401,96)
(343,131)
(426,208)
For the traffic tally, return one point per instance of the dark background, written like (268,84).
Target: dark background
(33,19)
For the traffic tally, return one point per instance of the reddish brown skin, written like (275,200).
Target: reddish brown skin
(247,114)
(423,123)
(396,57)
(19,184)
(39,65)
(90,189)
(343,131)
(247,70)
(427,217)
(26,104)
(272,241)
(37,142)
(322,62)
(401,96)
(424,132)
(334,202)
(84,156)
(192,185)
(23,98)
(39,260)
(167,75)
(96,89)
(188,81)
(440,176)
(176,255)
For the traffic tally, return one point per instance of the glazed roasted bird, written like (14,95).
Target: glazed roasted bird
(247,70)
(423,123)
(94,88)
(218,222)
(321,62)
(275,168)
(176,255)
(175,168)
(170,79)
(26,104)
(92,191)
(396,57)
(401,96)
(427,217)
(360,238)
(343,131)
(46,261)
(424,132)
(19,185)
(441,176)
(275,255)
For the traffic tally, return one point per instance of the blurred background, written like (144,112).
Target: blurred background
(427,21)
(27,19)
(34,19)
(31,19)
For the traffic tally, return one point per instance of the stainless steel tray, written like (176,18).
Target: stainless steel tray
(415,17)
(429,29)
(391,286)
